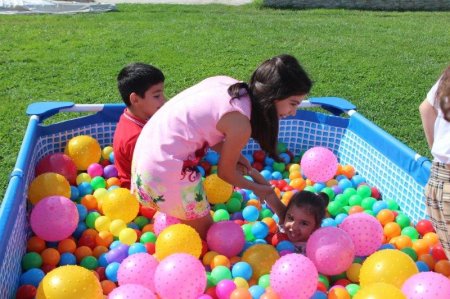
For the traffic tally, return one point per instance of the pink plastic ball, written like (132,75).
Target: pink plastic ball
(224,288)
(294,276)
(319,164)
(205,296)
(427,285)
(54,218)
(58,163)
(95,169)
(365,231)
(131,291)
(138,268)
(331,249)
(180,276)
(226,237)
(162,220)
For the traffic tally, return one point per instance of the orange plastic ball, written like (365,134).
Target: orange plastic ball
(35,244)
(50,256)
(392,229)
(107,286)
(401,242)
(99,250)
(82,252)
(208,257)
(385,216)
(295,175)
(104,238)
(431,238)
(421,246)
(241,293)
(89,201)
(298,183)
(427,259)
(148,228)
(348,171)
(112,182)
(338,293)
(355,209)
(67,245)
(220,260)
(254,202)
(443,267)
(271,223)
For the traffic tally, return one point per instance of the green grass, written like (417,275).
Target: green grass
(384,62)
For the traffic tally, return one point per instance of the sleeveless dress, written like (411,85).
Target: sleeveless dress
(172,143)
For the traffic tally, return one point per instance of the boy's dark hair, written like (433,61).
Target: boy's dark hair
(443,94)
(137,77)
(316,203)
(277,78)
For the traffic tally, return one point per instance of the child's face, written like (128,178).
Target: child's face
(153,100)
(299,224)
(288,107)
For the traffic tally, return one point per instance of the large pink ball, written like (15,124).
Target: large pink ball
(138,268)
(226,237)
(319,164)
(180,276)
(294,276)
(58,163)
(366,232)
(427,285)
(54,218)
(331,249)
(162,220)
(132,291)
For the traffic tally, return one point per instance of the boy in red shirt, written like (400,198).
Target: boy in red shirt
(142,89)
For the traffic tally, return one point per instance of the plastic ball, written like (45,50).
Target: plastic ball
(31,277)
(110,171)
(424,226)
(380,290)
(120,204)
(178,238)
(48,184)
(180,276)
(216,189)
(261,257)
(128,236)
(389,266)
(365,231)
(319,164)
(427,285)
(290,272)
(26,292)
(138,269)
(224,288)
(58,163)
(95,169)
(132,291)
(70,282)
(54,218)
(84,150)
(331,250)
(162,221)
(226,237)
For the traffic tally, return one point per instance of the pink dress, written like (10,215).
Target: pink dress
(164,173)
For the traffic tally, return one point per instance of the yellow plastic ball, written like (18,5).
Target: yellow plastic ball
(240,282)
(83,177)
(100,194)
(178,238)
(70,282)
(389,266)
(120,204)
(261,257)
(106,151)
(128,236)
(116,226)
(216,189)
(84,150)
(102,223)
(353,272)
(379,290)
(48,184)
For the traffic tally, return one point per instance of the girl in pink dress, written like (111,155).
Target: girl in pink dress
(221,113)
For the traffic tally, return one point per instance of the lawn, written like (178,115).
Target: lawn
(384,62)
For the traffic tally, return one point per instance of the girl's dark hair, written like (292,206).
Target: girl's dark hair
(316,203)
(137,77)
(275,79)
(443,94)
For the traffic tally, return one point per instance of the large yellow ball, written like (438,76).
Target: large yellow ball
(70,282)
(389,266)
(379,290)
(178,238)
(48,184)
(84,150)
(261,257)
(216,189)
(120,204)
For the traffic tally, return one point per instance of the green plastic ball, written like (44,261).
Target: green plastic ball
(411,232)
(411,252)
(148,237)
(221,215)
(90,219)
(403,220)
(233,204)
(220,273)
(31,260)
(141,221)
(89,262)
(98,182)
(264,280)
(364,191)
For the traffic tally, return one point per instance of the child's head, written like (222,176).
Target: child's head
(304,214)
(443,94)
(142,88)
(276,88)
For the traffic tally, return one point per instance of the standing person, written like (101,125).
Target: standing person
(221,113)
(435,115)
(141,87)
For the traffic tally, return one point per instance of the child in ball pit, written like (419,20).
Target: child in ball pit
(141,87)
(221,113)
(435,116)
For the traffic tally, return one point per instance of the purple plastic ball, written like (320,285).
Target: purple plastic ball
(110,171)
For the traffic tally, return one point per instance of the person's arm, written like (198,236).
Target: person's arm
(428,115)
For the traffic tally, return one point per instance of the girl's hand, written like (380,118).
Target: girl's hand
(244,164)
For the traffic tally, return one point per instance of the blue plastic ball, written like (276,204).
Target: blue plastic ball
(345,183)
(319,295)
(276,175)
(102,261)
(328,222)
(74,193)
(422,266)
(242,269)
(137,248)
(111,271)
(285,157)
(357,180)
(340,217)
(82,212)
(67,258)
(268,161)
(32,277)
(387,246)
(85,188)
(256,291)
(111,157)
(285,245)
(319,186)
(212,157)
(260,241)
(378,206)
(267,175)
(81,227)
(260,230)
(250,213)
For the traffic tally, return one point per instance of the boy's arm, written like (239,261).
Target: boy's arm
(428,115)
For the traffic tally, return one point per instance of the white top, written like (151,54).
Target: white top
(441,144)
